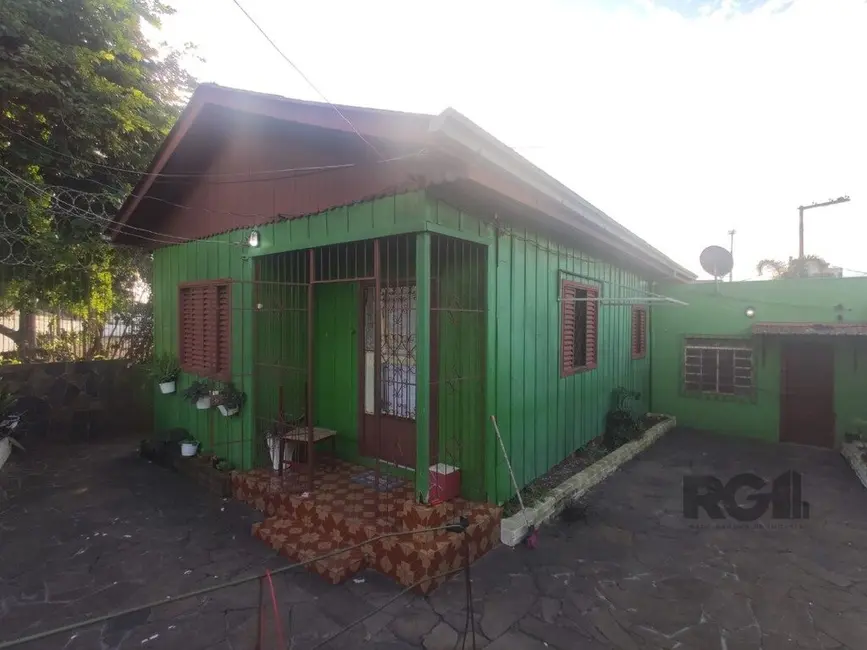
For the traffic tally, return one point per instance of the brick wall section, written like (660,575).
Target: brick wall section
(80,400)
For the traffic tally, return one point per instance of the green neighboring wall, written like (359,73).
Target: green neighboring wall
(720,312)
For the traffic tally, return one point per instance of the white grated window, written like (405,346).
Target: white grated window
(720,366)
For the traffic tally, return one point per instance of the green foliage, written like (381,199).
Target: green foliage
(164,368)
(81,90)
(796,267)
(231,397)
(621,423)
(197,390)
(224,465)
(7,402)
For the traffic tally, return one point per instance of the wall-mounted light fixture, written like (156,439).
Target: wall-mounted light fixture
(253,239)
(749,312)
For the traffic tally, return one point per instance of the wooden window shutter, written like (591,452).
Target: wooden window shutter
(579,327)
(224,332)
(204,321)
(567,330)
(639,332)
(592,327)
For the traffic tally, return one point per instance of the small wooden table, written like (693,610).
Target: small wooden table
(301,435)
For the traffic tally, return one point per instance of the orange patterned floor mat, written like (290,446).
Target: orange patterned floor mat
(339,513)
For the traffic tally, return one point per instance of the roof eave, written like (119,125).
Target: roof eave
(462,131)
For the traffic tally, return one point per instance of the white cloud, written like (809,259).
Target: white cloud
(679,128)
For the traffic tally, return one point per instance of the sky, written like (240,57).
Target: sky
(681,119)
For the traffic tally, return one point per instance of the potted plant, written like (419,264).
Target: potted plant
(189,447)
(230,400)
(165,369)
(9,422)
(199,393)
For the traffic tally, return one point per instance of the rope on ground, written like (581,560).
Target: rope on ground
(11,643)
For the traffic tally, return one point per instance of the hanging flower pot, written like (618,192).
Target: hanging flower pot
(229,399)
(199,393)
(165,369)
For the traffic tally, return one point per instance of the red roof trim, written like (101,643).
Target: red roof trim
(822,329)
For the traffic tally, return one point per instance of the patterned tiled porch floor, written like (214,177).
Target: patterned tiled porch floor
(340,512)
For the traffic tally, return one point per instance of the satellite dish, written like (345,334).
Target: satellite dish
(717,261)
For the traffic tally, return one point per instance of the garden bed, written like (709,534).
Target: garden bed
(594,463)
(592,452)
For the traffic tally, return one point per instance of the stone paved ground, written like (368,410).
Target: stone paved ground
(86,530)
(638,575)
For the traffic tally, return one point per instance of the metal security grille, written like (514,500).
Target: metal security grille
(397,349)
(718,366)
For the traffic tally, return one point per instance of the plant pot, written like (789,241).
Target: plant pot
(167,387)
(189,449)
(203,403)
(5,451)
(227,411)
(274,451)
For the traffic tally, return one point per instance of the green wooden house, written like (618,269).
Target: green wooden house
(397,278)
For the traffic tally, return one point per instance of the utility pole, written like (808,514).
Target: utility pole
(732,250)
(801,208)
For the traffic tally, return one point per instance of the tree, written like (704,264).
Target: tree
(84,97)
(808,266)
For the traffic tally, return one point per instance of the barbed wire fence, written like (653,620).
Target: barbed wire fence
(65,293)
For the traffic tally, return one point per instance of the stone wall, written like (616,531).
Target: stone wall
(80,400)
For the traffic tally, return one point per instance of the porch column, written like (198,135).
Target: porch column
(422,362)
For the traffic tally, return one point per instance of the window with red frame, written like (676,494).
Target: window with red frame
(639,332)
(579,331)
(205,328)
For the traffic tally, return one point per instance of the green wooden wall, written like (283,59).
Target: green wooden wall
(721,312)
(502,360)
(542,416)
(214,258)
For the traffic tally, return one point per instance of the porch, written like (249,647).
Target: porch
(327,353)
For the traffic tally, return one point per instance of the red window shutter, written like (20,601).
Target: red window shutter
(567,330)
(592,326)
(224,332)
(643,332)
(639,332)
(205,320)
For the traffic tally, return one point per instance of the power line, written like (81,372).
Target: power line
(89,215)
(196,175)
(260,218)
(234,583)
(306,78)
